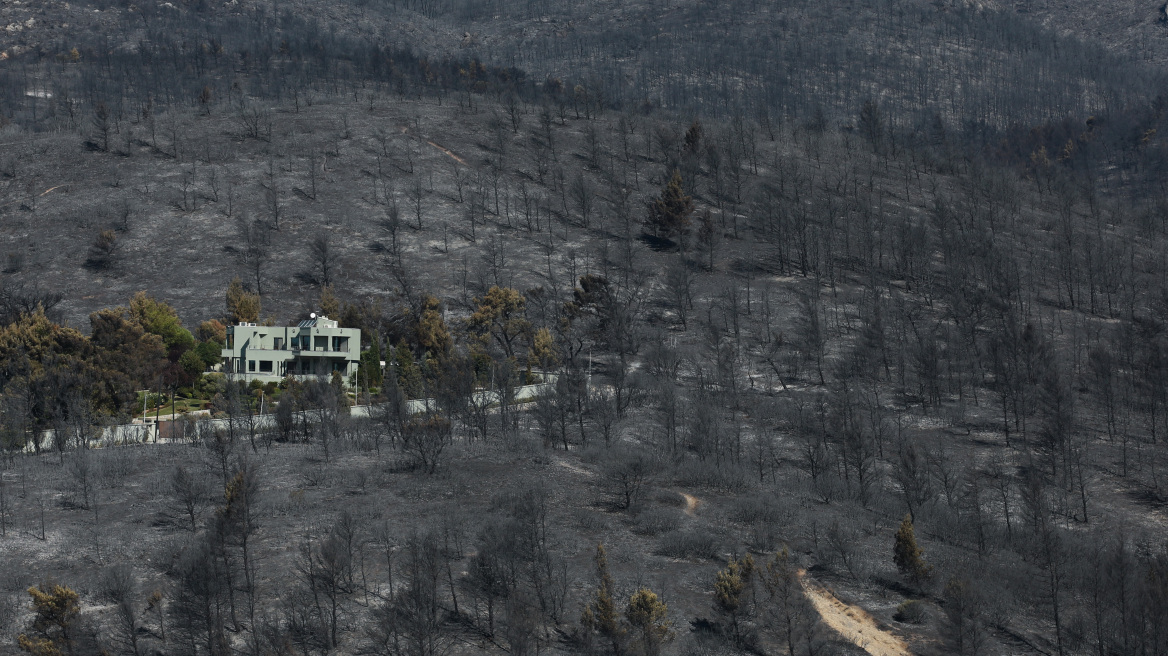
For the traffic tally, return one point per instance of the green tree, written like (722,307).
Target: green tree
(42,362)
(500,315)
(210,352)
(431,331)
(212,330)
(159,318)
(330,306)
(192,363)
(242,305)
(648,616)
(730,591)
(908,556)
(33,341)
(337,384)
(601,615)
(669,212)
(369,369)
(543,351)
(125,358)
(57,613)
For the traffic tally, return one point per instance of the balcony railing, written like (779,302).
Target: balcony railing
(297,352)
(320,352)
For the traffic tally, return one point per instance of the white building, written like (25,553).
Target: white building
(315,347)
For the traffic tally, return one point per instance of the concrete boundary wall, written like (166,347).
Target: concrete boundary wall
(141,433)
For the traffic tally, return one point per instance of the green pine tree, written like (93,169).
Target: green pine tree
(647,615)
(908,556)
(731,586)
(369,369)
(57,611)
(601,615)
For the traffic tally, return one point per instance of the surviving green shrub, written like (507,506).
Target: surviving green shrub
(910,611)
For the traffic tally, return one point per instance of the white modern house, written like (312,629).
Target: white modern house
(314,347)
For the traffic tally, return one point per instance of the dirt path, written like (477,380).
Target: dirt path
(16,201)
(449,153)
(575,469)
(691,504)
(852,622)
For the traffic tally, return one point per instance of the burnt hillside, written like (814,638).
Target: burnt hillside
(858,316)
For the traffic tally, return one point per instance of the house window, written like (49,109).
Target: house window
(321,343)
(266,366)
(340,343)
(251,365)
(279,343)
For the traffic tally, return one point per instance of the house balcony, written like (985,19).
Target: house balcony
(269,354)
(318,353)
(266,354)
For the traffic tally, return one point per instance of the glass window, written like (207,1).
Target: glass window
(266,366)
(251,365)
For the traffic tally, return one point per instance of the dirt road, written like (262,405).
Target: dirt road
(852,622)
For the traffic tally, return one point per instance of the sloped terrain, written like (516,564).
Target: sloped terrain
(869,291)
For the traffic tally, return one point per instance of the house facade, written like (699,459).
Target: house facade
(314,347)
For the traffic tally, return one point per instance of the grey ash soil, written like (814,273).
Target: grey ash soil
(187,256)
(132,519)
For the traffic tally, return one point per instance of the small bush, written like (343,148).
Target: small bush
(655,521)
(14,263)
(116,466)
(765,537)
(760,509)
(627,472)
(591,521)
(102,251)
(669,498)
(297,501)
(690,543)
(9,613)
(910,611)
(706,474)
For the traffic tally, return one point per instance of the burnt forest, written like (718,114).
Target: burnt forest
(610,328)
